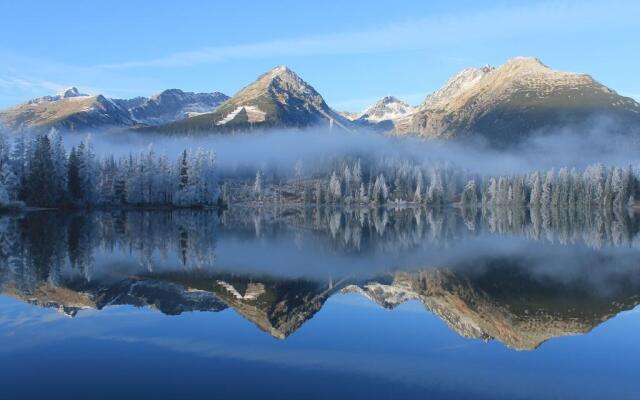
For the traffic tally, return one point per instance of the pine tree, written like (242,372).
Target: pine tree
(335,188)
(417,196)
(547,188)
(536,190)
(257,185)
(40,184)
(469,196)
(380,190)
(74,180)
(9,182)
(435,193)
(184,170)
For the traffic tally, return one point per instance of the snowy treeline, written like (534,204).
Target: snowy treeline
(39,172)
(596,186)
(353,181)
(392,181)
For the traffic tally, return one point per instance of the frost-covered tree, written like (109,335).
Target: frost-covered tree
(547,188)
(469,197)
(335,188)
(435,193)
(258,185)
(417,197)
(536,190)
(380,190)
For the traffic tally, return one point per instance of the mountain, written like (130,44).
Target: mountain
(505,303)
(72,110)
(508,103)
(171,105)
(278,307)
(77,295)
(384,115)
(277,99)
(69,109)
(497,301)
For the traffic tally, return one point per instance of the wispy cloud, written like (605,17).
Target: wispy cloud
(429,33)
(23,77)
(28,84)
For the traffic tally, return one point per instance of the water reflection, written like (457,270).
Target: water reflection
(515,275)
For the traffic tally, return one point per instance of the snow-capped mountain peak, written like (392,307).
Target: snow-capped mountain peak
(386,109)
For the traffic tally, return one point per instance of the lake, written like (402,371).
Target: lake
(291,303)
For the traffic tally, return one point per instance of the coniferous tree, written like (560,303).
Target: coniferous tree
(40,185)
(74,180)
(258,185)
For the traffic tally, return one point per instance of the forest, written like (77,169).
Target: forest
(39,171)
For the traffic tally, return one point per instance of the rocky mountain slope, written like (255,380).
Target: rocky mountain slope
(278,98)
(72,110)
(508,103)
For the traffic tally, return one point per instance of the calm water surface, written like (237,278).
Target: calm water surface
(320,303)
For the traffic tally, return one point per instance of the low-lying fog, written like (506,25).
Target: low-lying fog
(564,148)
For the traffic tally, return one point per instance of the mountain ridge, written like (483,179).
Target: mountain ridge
(277,98)
(72,110)
(504,105)
(508,103)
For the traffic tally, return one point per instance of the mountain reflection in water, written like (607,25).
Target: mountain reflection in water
(517,276)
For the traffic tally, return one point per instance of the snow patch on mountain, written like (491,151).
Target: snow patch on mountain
(386,109)
(254,114)
(71,93)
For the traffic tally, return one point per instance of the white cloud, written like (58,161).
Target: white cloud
(505,22)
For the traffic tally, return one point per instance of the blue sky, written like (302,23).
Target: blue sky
(352,52)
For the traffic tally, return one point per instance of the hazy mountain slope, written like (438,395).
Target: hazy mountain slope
(507,103)
(171,105)
(278,98)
